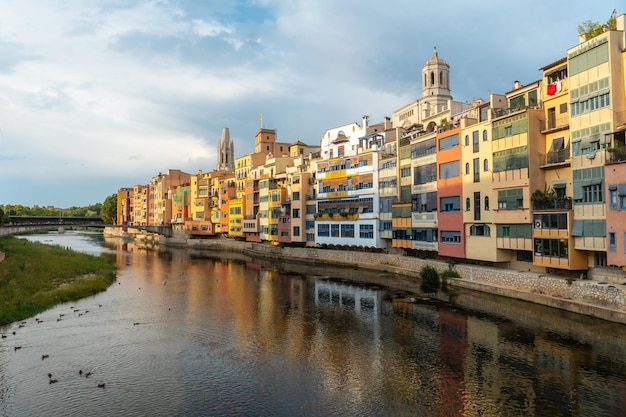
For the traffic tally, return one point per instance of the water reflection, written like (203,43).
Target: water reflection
(201,333)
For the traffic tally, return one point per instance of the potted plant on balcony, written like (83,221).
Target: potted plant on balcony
(542,199)
(618,153)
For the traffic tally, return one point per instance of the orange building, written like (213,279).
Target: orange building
(450,193)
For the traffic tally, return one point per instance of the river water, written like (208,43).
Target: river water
(185,333)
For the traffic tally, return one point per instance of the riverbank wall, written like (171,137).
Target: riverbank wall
(597,299)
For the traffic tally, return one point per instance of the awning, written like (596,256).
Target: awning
(557,143)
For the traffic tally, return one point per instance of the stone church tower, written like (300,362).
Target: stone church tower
(435,84)
(225,152)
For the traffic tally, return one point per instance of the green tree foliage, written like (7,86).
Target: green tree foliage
(590,30)
(7,210)
(108,213)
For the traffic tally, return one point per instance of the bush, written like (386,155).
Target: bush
(450,274)
(429,276)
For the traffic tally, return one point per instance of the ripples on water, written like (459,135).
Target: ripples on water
(194,336)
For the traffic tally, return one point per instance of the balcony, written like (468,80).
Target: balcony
(616,155)
(555,123)
(559,157)
(551,203)
(344,215)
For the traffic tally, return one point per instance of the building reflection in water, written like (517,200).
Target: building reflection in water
(479,356)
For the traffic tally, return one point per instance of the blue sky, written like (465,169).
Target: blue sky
(100,95)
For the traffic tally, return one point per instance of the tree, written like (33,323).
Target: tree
(590,30)
(108,212)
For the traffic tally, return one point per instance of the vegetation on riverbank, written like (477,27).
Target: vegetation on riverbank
(35,277)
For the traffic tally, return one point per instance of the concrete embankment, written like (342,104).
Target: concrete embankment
(592,298)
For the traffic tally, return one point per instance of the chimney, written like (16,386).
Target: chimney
(387,123)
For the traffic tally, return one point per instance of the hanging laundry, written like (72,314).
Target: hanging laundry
(558,86)
(551,89)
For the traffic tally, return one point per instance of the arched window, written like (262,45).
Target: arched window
(440,77)
(466,140)
(467,204)
(486,202)
(467,168)
(425,80)
(485,139)
(486,165)
(432,78)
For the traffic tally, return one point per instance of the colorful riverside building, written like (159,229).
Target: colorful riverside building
(140,205)
(420,125)
(125,203)
(596,69)
(518,149)
(347,181)
(540,181)
(479,229)
(553,215)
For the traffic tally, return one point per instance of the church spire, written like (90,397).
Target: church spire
(225,152)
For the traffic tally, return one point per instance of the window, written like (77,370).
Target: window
(510,159)
(424,173)
(467,204)
(476,170)
(555,221)
(405,172)
(486,202)
(477,205)
(480,230)
(466,140)
(508,130)
(485,137)
(475,141)
(486,165)
(467,168)
(366,231)
(622,196)
(323,230)
(295,196)
(347,230)
(295,213)
(510,199)
(514,230)
(450,204)
(451,237)
(448,142)
(612,241)
(613,196)
(334,230)
(449,170)
(554,248)
(592,193)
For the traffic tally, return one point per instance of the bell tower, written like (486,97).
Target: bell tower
(436,81)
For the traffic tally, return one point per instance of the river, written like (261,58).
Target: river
(186,333)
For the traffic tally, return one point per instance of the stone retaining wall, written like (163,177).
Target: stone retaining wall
(564,289)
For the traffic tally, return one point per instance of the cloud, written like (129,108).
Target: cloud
(114,92)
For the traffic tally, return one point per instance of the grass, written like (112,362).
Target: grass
(35,277)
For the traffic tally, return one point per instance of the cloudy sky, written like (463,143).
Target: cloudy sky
(103,94)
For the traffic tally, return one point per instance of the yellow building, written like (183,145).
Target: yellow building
(235,217)
(478,199)
(125,203)
(518,148)
(140,205)
(552,205)
(597,103)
